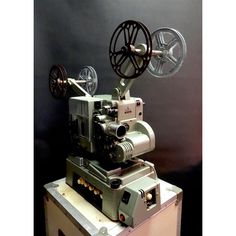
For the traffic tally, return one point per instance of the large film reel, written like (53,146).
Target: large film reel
(173,50)
(125,62)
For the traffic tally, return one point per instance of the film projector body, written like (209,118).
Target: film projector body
(108,131)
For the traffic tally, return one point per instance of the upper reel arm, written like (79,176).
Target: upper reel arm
(163,54)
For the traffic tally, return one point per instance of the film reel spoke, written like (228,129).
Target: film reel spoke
(126,37)
(134,35)
(172,43)
(172,59)
(159,67)
(122,59)
(134,62)
(160,40)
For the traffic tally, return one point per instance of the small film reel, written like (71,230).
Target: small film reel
(58,80)
(126,62)
(173,50)
(88,79)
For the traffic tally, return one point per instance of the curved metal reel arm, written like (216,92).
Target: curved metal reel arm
(77,88)
(122,89)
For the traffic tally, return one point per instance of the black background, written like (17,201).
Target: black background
(77,33)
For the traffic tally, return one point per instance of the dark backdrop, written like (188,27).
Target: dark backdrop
(77,33)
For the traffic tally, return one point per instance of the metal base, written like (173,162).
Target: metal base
(128,192)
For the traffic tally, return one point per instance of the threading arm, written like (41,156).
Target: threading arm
(78,89)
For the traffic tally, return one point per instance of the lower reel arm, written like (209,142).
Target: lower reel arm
(85,85)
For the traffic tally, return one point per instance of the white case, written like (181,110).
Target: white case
(69,214)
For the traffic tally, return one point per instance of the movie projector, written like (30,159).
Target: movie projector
(108,131)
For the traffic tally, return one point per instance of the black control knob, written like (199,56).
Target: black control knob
(115,183)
